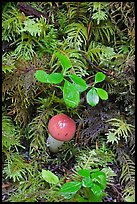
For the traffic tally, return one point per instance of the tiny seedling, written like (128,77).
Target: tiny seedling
(73,88)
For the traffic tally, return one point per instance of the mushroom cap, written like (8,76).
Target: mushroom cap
(61,127)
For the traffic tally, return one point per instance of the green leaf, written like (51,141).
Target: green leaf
(84,172)
(70,188)
(55,78)
(71,95)
(99,77)
(41,76)
(102,93)
(96,190)
(100,179)
(92,97)
(80,84)
(65,62)
(87,182)
(49,177)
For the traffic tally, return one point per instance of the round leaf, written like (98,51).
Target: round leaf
(55,78)
(41,76)
(71,95)
(102,93)
(80,84)
(99,77)
(92,97)
(49,177)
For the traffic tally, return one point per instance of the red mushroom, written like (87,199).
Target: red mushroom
(61,128)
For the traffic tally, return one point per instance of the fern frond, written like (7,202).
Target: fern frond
(76,35)
(15,167)
(37,134)
(128,171)
(128,178)
(32,27)
(129,194)
(103,32)
(24,50)
(100,11)
(109,174)
(132,144)
(12,23)
(79,65)
(77,11)
(37,129)
(121,129)
(100,53)
(94,158)
(8,63)
(10,135)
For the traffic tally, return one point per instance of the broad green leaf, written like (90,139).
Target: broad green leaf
(102,93)
(99,178)
(41,76)
(92,97)
(49,177)
(70,188)
(84,172)
(55,78)
(96,189)
(71,95)
(65,62)
(99,77)
(87,182)
(80,84)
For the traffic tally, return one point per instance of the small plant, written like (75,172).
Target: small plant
(99,14)
(72,91)
(10,135)
(89,189)
(120,130)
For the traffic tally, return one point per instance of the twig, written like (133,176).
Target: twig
(77,133)
(29,10)
(109,72)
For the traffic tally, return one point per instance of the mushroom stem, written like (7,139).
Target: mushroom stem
(53,144)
